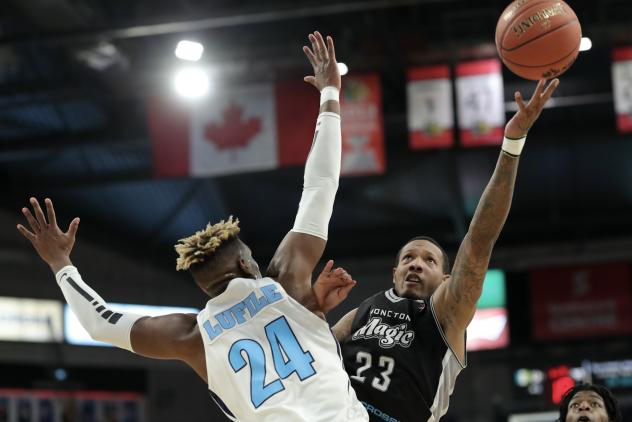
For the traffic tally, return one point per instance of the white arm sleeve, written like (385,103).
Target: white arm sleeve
(92,311)
(320,183)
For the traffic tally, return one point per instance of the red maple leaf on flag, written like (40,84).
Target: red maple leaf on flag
(234,131)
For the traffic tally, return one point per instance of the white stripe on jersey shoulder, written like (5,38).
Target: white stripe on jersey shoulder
(450,369)
(390,295)
(445,340)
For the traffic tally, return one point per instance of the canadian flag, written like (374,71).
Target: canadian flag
(622,86)
(261,127)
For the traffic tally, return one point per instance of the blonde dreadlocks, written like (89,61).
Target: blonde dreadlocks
(197,248)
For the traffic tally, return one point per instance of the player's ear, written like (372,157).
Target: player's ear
(246,267)
(446,277)
(394,269)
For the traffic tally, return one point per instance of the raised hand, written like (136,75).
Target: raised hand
(332,287)
(323,59)
(52,244)
(527,114)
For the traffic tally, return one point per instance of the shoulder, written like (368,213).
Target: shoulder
(377,297)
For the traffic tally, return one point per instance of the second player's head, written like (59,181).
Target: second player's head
(421,266)
(591,403)
(216,255)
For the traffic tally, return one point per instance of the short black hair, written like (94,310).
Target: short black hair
(444,255)
(612,407)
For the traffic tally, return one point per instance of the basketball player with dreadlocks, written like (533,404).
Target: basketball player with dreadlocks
(589,403)
(403,348)
(250,343)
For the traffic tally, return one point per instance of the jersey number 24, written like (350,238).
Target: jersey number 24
(287,354)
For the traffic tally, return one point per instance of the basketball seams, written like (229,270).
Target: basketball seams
(565,24)
(544,65)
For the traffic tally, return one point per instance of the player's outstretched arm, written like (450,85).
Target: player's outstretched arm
(167,337)
(455,300)
(301,249)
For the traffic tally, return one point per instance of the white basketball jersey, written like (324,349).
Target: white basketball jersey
(270,359)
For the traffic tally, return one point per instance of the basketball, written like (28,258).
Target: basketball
(538,39)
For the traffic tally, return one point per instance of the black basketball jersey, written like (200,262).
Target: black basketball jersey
(398,360)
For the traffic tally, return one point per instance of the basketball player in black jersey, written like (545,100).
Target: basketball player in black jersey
(404,347)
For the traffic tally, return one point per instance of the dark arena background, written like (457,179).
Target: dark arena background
(94,114)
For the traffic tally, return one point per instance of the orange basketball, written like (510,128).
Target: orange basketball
(538,39)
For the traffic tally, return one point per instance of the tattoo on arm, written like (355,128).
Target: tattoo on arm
(472,260)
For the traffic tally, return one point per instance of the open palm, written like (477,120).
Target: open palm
(51,243)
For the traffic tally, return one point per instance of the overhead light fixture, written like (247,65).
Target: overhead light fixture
(343,69)
(585,44)
(191,82)
(189,50)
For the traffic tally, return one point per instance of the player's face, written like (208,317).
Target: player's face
(587,406)
(419,270)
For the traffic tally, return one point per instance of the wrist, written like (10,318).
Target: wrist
(513,146)
(58,264)
(329,93)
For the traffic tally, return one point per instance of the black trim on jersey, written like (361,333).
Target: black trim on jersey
(447,343)
(220,403)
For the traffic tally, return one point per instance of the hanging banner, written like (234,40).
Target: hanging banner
(480,102)
(263,127)
(362,125)
(430,109)
(583,301)
(622,87)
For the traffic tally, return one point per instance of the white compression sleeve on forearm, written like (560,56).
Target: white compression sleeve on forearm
(320,183)
(92,311)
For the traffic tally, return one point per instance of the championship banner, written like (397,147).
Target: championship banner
(263,127)
(430,109)
(362,125)
(480,102)
(581,302)
(622,86)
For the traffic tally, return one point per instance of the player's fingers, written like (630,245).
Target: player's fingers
(314,41)
(35,227)
(550,89)
(39,214)
(519,101)
(24,231)
(331,48)
(322,48)
(310,80)
(343,292)
(310,55)
(328,266)
(539,88)
(345,275)
(50,212)
(72,229)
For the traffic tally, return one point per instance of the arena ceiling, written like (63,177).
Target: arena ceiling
(75,76)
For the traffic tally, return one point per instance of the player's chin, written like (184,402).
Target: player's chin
(411,290)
